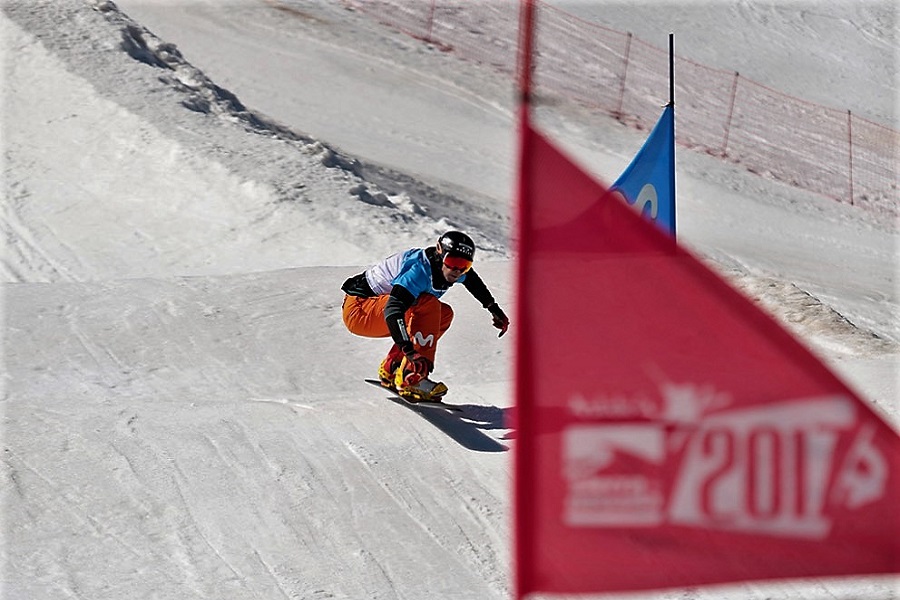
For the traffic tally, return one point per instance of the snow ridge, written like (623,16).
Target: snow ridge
(379,186)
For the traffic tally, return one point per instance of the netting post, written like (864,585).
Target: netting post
(430,37)
(730,113)
(850,146)
(619,112)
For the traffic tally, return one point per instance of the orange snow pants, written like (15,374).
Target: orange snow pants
(426,320)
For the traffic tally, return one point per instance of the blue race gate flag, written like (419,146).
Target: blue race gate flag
(648,184)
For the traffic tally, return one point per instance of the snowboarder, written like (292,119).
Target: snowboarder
(399,298)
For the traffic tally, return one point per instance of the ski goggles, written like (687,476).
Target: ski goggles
(457,263)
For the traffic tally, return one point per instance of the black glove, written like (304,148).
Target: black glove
(501,321)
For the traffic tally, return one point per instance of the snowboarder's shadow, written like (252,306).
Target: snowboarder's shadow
(465,425)
(486,417)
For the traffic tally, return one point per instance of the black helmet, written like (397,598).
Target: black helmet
(456,243)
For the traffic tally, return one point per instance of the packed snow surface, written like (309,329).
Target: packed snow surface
(187,185)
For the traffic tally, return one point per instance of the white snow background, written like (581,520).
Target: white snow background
(186,186)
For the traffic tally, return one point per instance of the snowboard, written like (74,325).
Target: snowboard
(429,404)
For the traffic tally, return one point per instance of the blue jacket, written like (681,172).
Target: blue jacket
(405,276)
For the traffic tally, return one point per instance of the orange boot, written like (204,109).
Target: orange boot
(417,389)
(389,366)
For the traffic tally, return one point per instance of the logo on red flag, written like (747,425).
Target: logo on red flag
(771,470)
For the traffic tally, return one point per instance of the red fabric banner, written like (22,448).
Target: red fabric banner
(670,433)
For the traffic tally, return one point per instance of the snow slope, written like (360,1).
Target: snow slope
(186,185)
(842,54)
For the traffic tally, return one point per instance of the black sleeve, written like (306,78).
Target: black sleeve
(478,289)
(394,315)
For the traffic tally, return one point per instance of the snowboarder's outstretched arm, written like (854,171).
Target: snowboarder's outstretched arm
(476,286)
(479,290)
